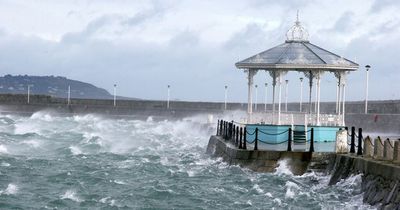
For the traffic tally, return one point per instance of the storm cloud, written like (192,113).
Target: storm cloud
(143,46)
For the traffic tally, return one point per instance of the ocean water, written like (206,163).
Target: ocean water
(89,161)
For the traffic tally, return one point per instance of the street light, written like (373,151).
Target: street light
(301,93)
(29,92)
(265,97)
(226,95)
(69,95)
(115,95)
(168,95)
(256,101)
(286,93)
(367,67)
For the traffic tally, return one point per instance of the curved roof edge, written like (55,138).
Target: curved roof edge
(297,56)
(295,67)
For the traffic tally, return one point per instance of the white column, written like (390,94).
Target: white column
(115,95)
(226,96)
(301,94)
(337,99)
(286,94)
(250,76)
(340,97)
(366,89)
(69,95)
(256,101)
(273,96)
(168,95)
(265,97)
(311,77)
(318,97)
(343,104)
(279,98)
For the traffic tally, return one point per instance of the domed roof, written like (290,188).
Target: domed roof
(297,54)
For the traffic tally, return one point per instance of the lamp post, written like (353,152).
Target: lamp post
(301,94)
(286,93)
(265,97)
(168,95)
(256,101)
(115,95)
(366,88)
(29,92)
(69,95)
(226,96)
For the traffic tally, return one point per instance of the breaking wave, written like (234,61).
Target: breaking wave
(91,161)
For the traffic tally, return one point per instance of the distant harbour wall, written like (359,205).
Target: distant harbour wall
(357,107)
(384,116)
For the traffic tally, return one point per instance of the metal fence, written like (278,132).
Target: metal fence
(237,134)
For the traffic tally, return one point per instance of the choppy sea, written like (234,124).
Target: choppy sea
(48,161)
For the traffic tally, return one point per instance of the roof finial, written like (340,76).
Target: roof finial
(297,32)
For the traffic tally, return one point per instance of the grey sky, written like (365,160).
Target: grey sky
(143,46)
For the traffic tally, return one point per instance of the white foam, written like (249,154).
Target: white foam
(283,168)
(291,189)
(75,150)
(149,119)
(42,115)
(119,182)
(258,189)
(104,200)
(191,173)
(3,149)
(71,195)
(4,164)
(278,201)
(11,189)
(249,203)
(32,143)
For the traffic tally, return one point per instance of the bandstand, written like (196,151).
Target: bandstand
(298,54)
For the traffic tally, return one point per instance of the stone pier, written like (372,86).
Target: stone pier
(267,161)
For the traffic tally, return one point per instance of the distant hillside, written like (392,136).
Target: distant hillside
(51,85)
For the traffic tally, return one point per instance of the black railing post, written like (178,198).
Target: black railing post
(240,137)
(312,140)
(359,149)
(233,133)
(245,138)
(353,140)
(230,131)
(289,146)
(256,140)
(218,128)
(225,130)
(237,136)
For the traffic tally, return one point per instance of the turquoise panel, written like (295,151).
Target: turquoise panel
(279,133)
(268,133)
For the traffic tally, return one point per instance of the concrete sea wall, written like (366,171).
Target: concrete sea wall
(267,161)
(380,180)
(379,164)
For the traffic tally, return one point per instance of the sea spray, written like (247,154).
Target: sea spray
(91,161)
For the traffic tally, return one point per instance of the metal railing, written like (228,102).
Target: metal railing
(237,134)
(288,118)
(353,137)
